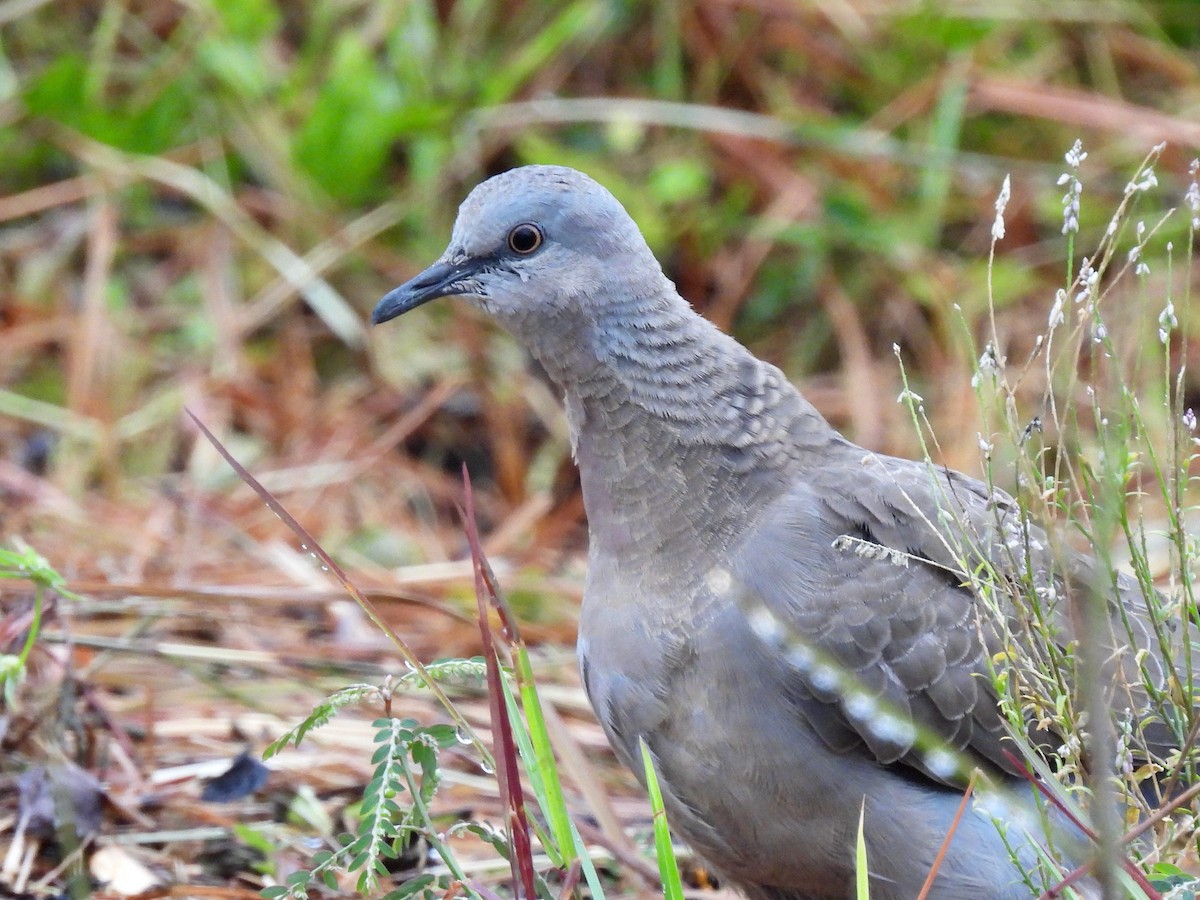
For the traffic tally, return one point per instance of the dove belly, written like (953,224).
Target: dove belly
(749,783)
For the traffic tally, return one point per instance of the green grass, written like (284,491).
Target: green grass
(200,203)
(1091,461)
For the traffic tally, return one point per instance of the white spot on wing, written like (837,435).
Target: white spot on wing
(719,581)
(941,763)
(888,727)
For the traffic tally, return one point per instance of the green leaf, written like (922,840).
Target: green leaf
(951,33)
(409,888)
(862,876)
(249,20)
(668,869)
(148,121)
(533,742)
(237,65)
(443,735)
(680,180)
(253,838)
(573,23)
(352,124)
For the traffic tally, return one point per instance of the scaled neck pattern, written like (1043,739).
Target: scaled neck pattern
(680,433)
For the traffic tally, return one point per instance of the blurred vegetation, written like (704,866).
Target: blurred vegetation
(195,192)
(201,202)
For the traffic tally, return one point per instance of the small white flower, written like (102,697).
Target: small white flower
(1001,205)
(1192,198)
(1140,266)
(1070,746)
(1088,279)
(1075,155)
(1047,592)
(1070,203)
(989,362)
(1147,181)
(1056,311)
(1167,322)
(1124,760)
(1189,419)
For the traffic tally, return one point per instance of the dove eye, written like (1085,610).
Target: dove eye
(525,238)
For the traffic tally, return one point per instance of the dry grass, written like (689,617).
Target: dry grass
(817,177)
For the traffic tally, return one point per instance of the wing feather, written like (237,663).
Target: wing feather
(867,576)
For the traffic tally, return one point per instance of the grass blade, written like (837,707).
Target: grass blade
(668,869)
(508,773)
(862,875)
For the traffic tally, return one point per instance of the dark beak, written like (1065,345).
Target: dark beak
(439,280)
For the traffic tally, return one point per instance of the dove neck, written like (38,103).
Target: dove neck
(680,432)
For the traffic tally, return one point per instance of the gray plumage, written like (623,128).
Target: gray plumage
(744,557)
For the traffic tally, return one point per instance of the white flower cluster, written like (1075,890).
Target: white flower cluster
(1088,279)
(1145,179)
(1192,197)
(1074,157)
(1167,322)
(989,362)
(1135,255)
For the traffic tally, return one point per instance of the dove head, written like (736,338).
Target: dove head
(545,250)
